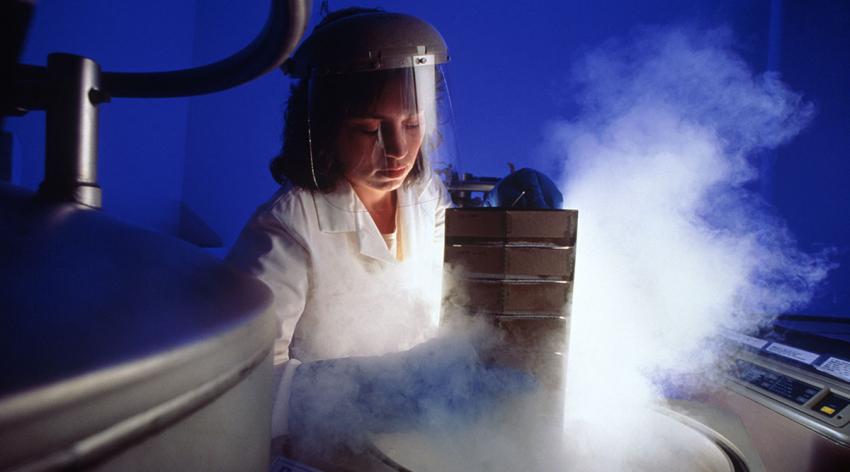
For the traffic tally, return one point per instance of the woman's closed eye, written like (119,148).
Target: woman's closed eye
(365,126)
(372,127)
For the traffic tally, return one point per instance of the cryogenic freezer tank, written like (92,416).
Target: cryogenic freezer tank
(499,443)
(124,349)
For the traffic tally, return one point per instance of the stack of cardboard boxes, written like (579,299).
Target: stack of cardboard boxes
(514,269)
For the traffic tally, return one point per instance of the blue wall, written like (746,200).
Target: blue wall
(811,175)
(209,154)
(232,135)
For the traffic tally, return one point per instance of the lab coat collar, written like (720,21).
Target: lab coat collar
(341,211)
(337,210)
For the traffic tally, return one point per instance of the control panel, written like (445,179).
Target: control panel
(815,401)
(785,386)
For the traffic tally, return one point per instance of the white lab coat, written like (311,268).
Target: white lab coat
(338,291)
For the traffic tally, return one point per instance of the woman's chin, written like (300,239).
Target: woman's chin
(375,187)
(387,186)
(385,183)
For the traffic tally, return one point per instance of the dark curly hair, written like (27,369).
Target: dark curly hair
(330,99)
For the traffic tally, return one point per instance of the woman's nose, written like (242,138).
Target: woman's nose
(394,140)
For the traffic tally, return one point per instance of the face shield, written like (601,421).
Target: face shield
(382,130)
(379,116)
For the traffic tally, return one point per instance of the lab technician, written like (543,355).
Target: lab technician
(351,244)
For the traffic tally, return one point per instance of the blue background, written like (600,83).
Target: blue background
(167,163)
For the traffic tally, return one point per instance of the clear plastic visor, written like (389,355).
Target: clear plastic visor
(381,134)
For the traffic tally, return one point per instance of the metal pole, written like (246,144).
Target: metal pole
(70,172)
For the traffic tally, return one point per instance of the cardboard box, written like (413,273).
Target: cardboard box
(548,334)
(548,368)
(517,297)
(498,261)
(478,225)
(535,345)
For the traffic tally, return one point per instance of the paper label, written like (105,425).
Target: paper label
(744,339)
(836,367)
(800,355)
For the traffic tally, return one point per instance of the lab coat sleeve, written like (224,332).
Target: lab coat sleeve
(274,254)
(444,201)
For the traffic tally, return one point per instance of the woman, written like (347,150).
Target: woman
(351,245)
